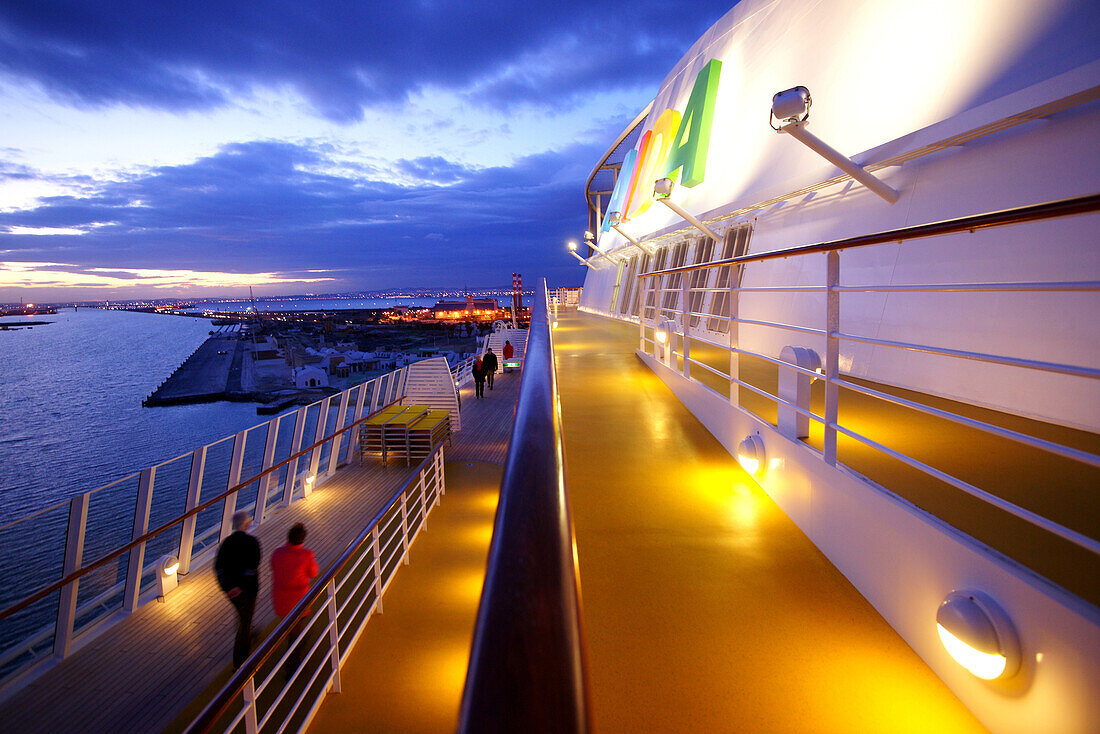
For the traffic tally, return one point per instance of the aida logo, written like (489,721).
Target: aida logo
(675,147)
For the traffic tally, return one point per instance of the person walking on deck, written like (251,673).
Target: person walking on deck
(235,566)
(508,351)
(479,378)
(293,569)
(490,367)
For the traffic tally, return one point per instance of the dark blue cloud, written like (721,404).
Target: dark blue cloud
(273,206)
(342,55)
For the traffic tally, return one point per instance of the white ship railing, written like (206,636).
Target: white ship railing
(670,322)
(51,619)
(268,692)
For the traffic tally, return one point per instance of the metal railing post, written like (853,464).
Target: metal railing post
(341,414)
(374,393)
(641,313)
(250,722)
(353,442)
(400,393)
(295,447)
(318,434)
(141,527)
(423,502)
(74,554)
(269,461)
(375,546)
(832,355)
(685,323)
(405,525)
(735,362)
(194,490)
(235,462)
(440,485)
(333,634)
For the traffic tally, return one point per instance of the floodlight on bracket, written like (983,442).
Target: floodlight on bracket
(643,247)
(573,251)
(662,192)
(791,109)
(590,240)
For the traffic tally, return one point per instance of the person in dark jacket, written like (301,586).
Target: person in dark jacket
(479,378)
(236,567)
(490,367)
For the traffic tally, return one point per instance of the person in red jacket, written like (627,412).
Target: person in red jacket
(293,569)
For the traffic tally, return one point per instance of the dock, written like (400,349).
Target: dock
(212,372)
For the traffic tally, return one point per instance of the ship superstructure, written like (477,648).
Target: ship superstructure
(859,242)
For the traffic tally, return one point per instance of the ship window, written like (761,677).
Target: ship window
(735,244)
(673,281)
(651,300)
(642,267)
(704,251)
(628,284)
(618,283)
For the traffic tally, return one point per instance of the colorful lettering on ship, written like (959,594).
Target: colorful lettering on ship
(675,147)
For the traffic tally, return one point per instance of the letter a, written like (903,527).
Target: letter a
(690,154)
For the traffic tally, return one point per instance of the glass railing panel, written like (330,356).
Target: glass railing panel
(110,525)
(40,541)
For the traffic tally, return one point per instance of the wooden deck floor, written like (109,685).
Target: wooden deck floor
(141,673)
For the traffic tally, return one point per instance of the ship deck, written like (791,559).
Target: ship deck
(155,669)
(704,606)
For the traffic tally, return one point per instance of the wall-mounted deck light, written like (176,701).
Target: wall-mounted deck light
(791,109)
(167,574)
(662,192)
(750,454)
(573,251)
(978,635)
(307,484)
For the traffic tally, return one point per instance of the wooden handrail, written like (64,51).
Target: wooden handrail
(1020,215)
(527,663)
(225,697)
(103,560)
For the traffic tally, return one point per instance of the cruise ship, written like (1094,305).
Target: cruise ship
(814,449)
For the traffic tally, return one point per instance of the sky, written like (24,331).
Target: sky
(162,150)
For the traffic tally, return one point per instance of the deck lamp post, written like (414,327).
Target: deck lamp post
(791,109)
(662,192)
(167,575)
(978,635)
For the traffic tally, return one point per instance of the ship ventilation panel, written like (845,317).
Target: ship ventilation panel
(429,383)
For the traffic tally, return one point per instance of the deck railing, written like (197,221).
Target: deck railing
(270,691)
(527,669)
(48,620)
(668,334)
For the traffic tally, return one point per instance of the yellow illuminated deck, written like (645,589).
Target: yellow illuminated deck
(705,608)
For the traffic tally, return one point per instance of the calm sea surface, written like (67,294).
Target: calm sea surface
(71,418)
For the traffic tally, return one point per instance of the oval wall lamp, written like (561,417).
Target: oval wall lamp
(167,574)
(978,635)
(750,454)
